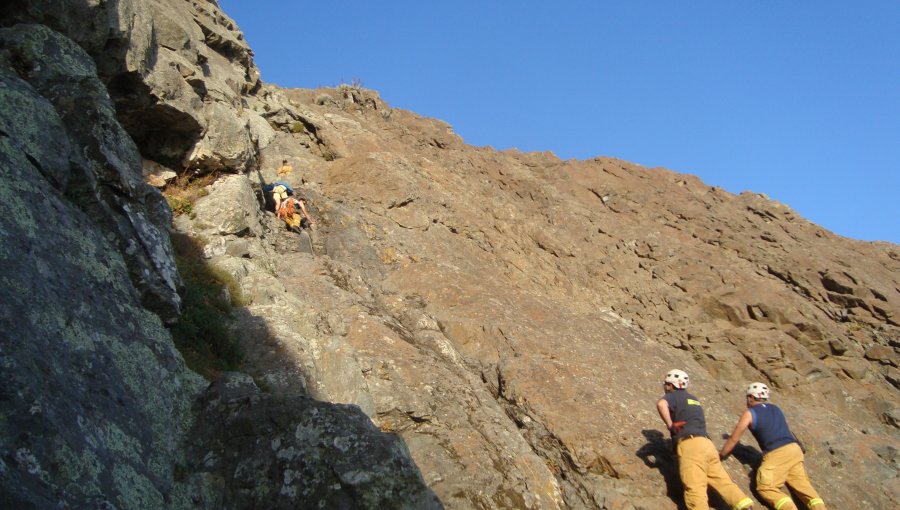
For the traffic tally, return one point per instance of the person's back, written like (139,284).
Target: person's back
(782,461)
(687,414)
(698,462)
(769,427)
(275,194)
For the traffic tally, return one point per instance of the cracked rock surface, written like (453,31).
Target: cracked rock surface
(478,328)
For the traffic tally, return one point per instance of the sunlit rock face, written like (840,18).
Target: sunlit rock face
(504,318)
(512,315)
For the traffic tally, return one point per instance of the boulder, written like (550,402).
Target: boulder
(318,455)
(231,208)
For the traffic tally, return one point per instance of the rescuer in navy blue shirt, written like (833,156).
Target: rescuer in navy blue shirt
(782,461)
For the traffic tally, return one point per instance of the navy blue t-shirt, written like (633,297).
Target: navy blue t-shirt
(770,427)
(685,407)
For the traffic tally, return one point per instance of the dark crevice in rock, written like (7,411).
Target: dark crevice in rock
(401,204)
(547,447)
(786,277)
(395,326)
(830,283)
(199,87)
(163,133)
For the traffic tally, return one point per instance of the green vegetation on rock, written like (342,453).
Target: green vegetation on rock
(183,192)
(202,334)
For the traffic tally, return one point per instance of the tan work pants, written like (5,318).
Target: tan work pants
(785,465)
(699,467)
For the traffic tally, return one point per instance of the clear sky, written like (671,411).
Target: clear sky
(799,100)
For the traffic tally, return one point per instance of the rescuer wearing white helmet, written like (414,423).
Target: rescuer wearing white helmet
(698,462)
(782,461)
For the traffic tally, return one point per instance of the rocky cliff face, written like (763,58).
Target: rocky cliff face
(504,318)
(97,409)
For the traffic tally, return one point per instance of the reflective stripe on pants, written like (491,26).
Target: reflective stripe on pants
(781,466)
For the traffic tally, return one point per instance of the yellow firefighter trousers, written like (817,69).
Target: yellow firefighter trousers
(785,465)
(699,467)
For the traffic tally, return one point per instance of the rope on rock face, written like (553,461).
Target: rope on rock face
(309,240)
(300,230)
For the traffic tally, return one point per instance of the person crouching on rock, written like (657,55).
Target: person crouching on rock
(275,194)
(288,213)
(280,199)
(698,461)
(782,461)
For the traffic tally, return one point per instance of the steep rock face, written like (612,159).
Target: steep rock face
(95,164)
(512,314)
(177,71)
(508,316)
(95,399)
(97,409)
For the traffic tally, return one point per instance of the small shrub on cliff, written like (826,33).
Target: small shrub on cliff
(202,333)
(329,154)
(183,191)
(355,84)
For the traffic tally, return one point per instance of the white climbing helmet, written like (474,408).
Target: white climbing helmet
(758,391)
(677,378)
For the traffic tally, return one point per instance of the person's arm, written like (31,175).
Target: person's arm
(663,408)
(303,208)
(742,424)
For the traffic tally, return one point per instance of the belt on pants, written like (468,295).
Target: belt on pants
(690,436)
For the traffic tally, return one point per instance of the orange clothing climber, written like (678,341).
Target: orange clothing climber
(288,212)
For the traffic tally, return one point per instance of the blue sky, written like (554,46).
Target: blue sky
(798,100)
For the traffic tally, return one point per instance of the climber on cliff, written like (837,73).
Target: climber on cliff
(285,168)
(698,462)
(276,193)
(280,199)
(288,213)
(782,461)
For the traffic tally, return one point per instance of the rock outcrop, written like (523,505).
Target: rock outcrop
(96,399)
(178,71)
(503,318)
(98,409)
(51,88)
